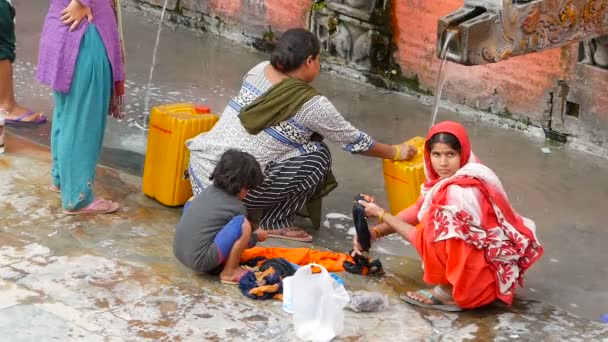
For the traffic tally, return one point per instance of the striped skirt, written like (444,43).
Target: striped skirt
(288,186)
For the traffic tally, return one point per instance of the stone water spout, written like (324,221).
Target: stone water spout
(490,31)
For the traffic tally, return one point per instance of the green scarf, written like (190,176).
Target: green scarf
(281,102)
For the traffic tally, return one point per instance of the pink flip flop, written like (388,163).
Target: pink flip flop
(98,206)
(42,119)
(290,233)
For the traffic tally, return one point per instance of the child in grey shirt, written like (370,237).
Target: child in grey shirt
(214,231)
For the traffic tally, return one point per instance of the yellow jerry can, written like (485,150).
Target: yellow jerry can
(167,156)
(403,179)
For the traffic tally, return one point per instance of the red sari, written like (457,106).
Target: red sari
(469,235)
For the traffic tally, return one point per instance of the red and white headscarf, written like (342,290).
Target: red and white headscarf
(454,209)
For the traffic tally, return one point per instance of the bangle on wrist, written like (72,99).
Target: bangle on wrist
(397,152)
(381,216)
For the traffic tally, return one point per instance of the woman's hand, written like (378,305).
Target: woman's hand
(372,209)
(74,13)
(406,152)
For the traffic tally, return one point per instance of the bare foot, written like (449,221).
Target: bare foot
(232,276)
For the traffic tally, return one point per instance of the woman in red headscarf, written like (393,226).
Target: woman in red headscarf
(474,247)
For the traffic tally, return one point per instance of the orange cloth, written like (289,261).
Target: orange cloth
(457,263)
(300,256)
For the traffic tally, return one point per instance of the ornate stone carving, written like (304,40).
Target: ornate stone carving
(595,52)
(350,33)
(372,11)
(495,26)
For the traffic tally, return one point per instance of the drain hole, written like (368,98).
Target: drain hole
(573,109)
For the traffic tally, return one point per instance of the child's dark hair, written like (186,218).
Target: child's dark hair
(444,138)
(293,48)
(237,170)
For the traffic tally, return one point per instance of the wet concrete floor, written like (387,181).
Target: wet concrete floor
(565,191)
(114,278)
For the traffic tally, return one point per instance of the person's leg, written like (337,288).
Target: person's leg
(83,124)
(7,57)
(58,99)
(464,277)
(288,186)
(231,243)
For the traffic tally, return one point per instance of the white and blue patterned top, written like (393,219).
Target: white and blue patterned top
(289,138)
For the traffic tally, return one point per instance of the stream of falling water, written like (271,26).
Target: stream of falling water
(146,115)
(441,75)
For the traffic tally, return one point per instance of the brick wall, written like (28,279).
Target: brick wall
(250,18)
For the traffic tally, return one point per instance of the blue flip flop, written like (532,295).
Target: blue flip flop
(42,119)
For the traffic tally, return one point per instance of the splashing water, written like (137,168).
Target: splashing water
(146,116)
(441,75)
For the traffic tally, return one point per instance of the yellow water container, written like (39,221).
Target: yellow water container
(167,156)
(404,178)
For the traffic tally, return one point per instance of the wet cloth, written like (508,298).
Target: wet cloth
(77,134)
(59,48)
(7,31)
(361,227)
(265,284)
(268,281)
(208,229)
(299,256)
(469,235)
(362,264)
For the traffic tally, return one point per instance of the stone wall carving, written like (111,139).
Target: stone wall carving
(493,30)
(595,52)
(355,33)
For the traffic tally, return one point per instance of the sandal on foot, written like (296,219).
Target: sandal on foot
(54,188)
(437,304)
(290,233)
(235,280)
(40,120)
(98,206)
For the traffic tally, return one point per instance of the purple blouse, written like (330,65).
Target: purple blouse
(59,47)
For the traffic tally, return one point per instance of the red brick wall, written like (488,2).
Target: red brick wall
(279,14)
(518,84)
(229,8)
(284,14)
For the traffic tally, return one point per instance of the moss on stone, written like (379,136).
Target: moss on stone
(318,5)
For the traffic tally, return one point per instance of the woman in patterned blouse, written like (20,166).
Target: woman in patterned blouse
(279,119)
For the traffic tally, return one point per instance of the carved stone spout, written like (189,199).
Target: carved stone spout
(490,31)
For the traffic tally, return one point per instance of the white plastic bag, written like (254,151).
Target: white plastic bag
(317,303)
(287,295)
